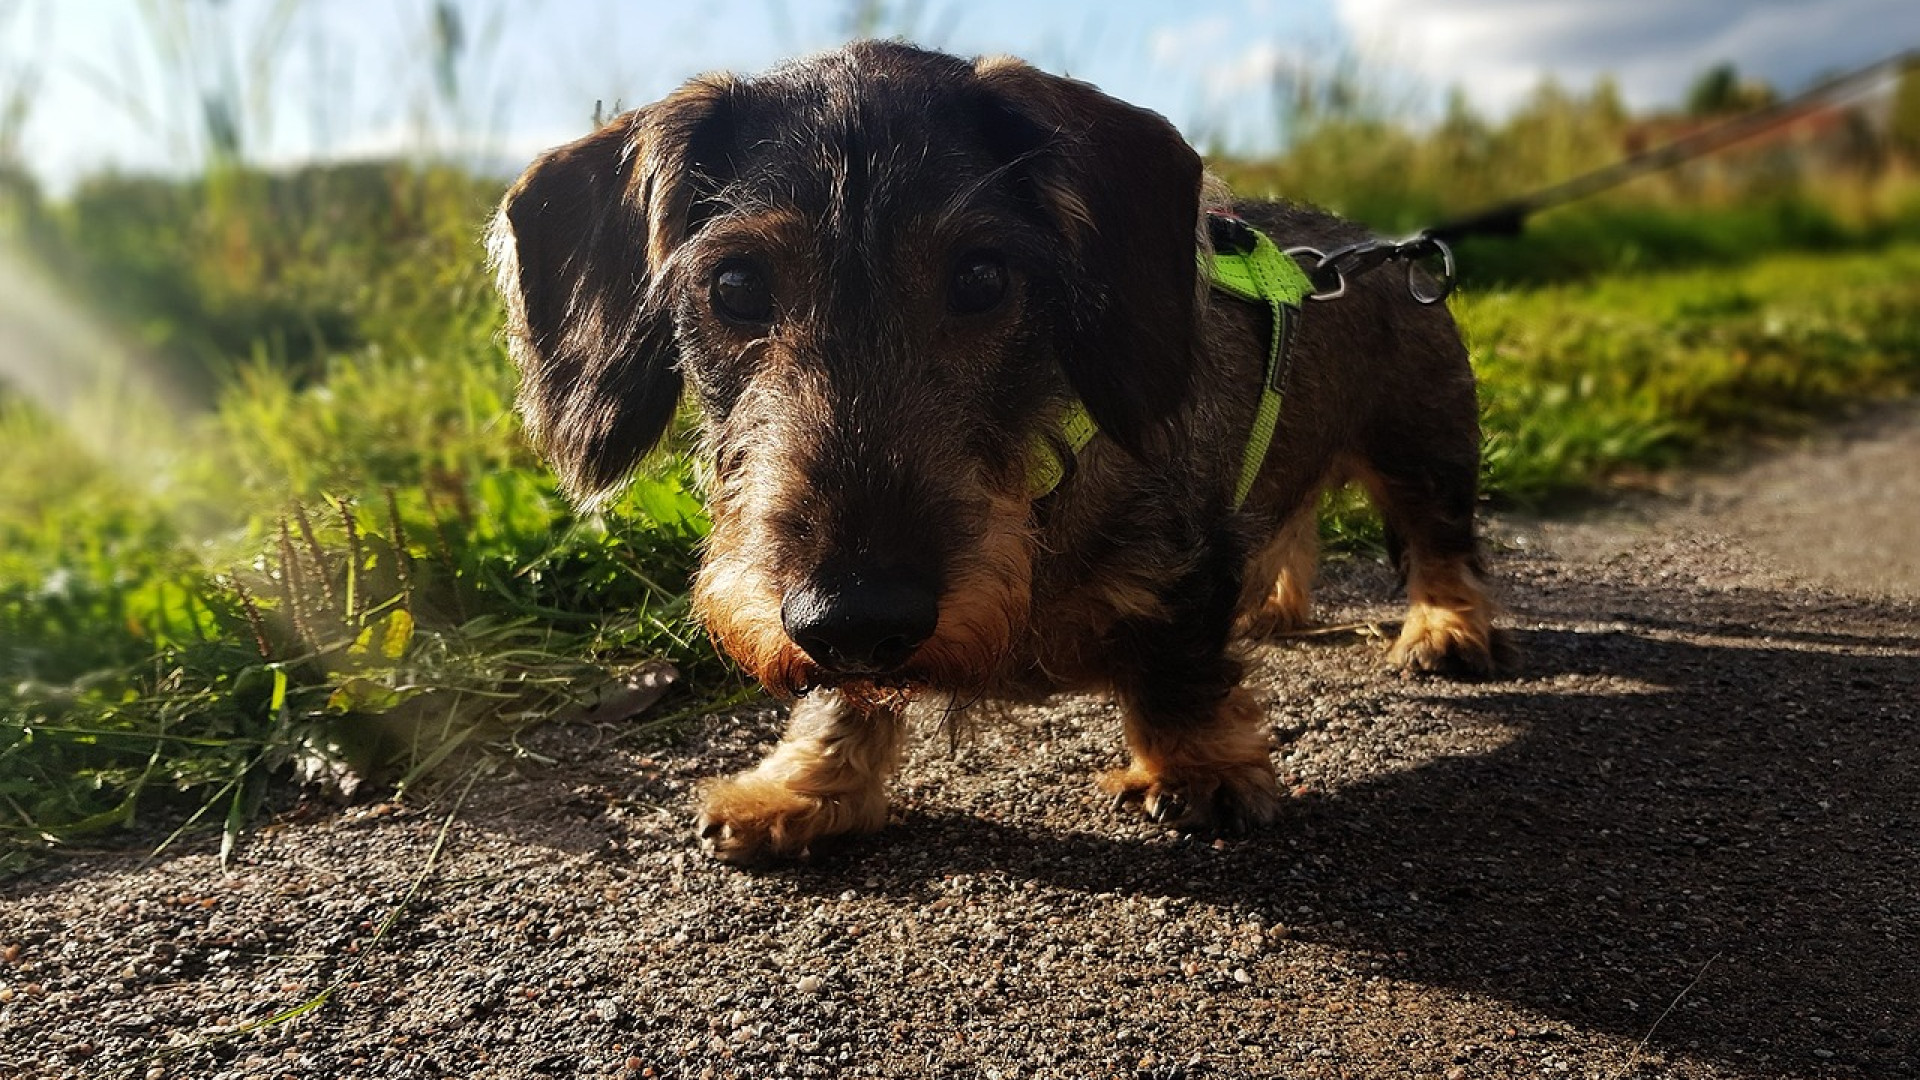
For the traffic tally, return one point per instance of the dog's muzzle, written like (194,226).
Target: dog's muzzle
(861,623)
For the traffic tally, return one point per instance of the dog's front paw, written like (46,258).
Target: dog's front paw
(755,818)
(1232,799)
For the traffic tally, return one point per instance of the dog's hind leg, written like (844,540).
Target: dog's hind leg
(827,777)
(1428,503)
(1277,595)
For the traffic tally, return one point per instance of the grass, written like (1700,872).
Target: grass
(365,635)
(1633,373)
(340,562)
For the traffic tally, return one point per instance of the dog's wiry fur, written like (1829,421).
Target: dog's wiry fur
(883,274)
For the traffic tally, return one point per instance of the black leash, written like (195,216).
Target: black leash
(1330,271)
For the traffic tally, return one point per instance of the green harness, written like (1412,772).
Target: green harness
(1248,265)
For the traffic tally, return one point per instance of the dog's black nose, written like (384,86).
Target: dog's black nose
(860,623)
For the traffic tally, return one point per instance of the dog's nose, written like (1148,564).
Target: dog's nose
(860,623)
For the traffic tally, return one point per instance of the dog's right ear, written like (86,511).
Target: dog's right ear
(578,248)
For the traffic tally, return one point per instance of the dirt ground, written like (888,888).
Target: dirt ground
(1685,842)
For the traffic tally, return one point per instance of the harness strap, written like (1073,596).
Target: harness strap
(1047,464)
(1247,265)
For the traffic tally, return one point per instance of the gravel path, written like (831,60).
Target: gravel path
(1686,843)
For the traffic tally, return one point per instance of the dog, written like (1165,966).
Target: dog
(887,277)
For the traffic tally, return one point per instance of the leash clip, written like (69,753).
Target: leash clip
(1329,271)
(1323,288)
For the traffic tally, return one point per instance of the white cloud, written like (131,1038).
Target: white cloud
(1253,69)
(1498,50)
(1224,65)
(1189,42)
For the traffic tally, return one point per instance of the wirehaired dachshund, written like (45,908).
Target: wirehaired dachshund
(888,278)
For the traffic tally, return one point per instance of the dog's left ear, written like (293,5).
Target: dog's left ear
(1123,190)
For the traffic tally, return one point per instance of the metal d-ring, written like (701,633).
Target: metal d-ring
(1446,271)
(1313,273)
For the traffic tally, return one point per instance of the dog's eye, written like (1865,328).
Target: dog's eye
(979,282)
(741,293)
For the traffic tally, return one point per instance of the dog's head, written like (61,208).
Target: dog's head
(883,272)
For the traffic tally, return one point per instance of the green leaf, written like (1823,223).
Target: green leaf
(387,638)
(358,695)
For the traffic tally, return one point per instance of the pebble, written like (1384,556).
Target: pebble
(809,984)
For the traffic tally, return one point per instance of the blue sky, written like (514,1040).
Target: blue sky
(351,77)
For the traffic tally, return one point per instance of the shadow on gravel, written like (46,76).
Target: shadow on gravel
(1757,810)
(1711,792)
(1747,816)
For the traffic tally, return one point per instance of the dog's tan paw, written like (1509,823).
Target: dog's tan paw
(754,818)
(1230,800)
(1449,628)
(1452,644)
